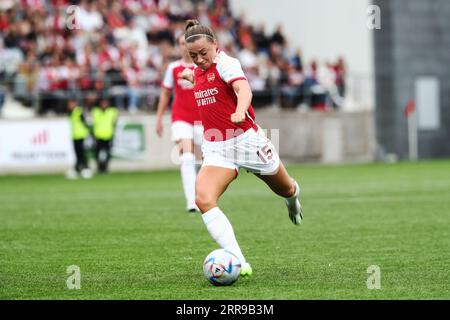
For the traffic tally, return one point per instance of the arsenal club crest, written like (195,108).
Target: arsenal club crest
(211,77)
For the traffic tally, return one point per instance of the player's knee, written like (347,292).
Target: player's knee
(205,201)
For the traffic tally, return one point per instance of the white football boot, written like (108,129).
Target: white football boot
(294,207)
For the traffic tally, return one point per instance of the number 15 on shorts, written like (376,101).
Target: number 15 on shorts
(265,154)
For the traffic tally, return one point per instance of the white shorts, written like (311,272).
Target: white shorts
(185,130)
(250,150)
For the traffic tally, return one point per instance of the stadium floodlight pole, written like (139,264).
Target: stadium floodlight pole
(411,115)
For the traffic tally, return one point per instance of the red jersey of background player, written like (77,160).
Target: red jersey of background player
(184,107)
(217,100)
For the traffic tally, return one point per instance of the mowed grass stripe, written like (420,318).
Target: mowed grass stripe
(130,236)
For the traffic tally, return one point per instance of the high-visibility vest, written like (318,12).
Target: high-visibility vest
(79,128)
(104,121)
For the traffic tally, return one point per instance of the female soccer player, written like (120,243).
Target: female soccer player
(186,121)
(232,139)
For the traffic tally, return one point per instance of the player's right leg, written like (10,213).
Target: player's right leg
(257,154)
(283,185)
(212,181)
(183,135)
(188,172)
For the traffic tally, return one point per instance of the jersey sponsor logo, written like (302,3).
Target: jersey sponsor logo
(206,97)
(205,101)
(206,93)
(211,77)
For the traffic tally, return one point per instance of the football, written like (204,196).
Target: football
(221,267)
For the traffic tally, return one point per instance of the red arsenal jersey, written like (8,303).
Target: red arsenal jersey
(184,107)
(217,100)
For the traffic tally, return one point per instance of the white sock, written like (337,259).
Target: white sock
(291,200)
(188,175)
(221,230)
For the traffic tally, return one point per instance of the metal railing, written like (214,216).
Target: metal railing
(27,91)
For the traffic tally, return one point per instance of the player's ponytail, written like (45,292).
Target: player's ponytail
(194,30)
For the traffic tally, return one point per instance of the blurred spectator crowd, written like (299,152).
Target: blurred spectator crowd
(51,51)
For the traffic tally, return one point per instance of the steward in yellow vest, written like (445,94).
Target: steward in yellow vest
(79,131)
(104,119)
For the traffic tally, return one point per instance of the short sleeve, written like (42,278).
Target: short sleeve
(168,77)
(229,69)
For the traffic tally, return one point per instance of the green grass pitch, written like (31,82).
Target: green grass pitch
(132,239)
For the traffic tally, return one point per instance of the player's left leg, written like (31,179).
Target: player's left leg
(283,185)
(212,181)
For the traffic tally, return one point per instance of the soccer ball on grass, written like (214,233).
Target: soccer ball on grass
(221,267)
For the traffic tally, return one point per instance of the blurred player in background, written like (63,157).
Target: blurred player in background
(232,139)
(187,130)
(80,131)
